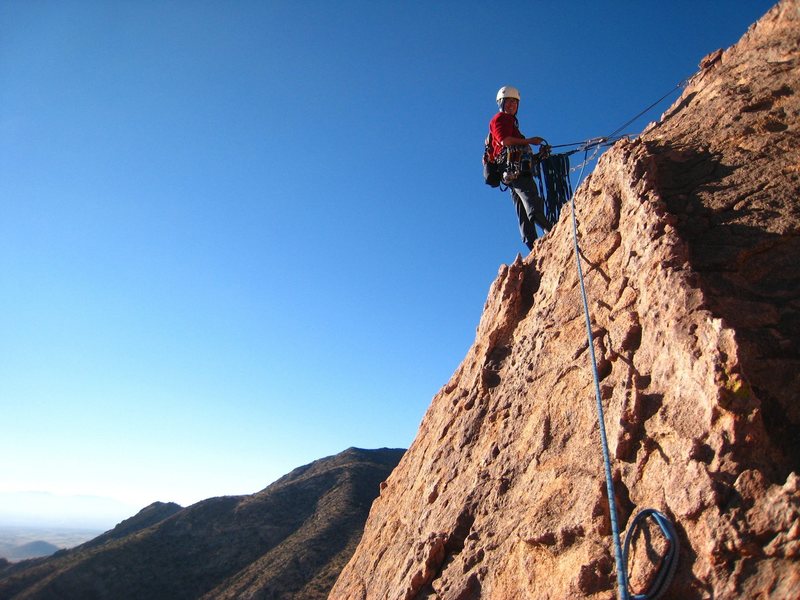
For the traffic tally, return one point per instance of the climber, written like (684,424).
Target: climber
(512,148)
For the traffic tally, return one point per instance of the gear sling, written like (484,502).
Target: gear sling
(550,171)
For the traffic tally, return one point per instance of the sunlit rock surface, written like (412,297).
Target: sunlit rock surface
(691,255)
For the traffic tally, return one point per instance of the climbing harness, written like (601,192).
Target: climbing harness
(550,171)
(516,161)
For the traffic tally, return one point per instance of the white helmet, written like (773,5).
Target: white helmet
(507,91)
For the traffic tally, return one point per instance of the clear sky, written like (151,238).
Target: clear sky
(236,237)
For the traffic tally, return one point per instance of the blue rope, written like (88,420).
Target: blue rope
(666,572)
(667,569)
(622,582)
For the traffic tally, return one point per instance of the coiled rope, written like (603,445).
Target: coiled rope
(667,571)
(551,172)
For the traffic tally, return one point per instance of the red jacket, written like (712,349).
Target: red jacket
(502,126)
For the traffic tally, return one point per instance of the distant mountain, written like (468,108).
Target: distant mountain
(29,550)
(289,541)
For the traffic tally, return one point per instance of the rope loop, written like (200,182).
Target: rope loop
(670,561)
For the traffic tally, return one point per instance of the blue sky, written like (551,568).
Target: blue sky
(236,237)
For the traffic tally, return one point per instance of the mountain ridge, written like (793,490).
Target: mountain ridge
(298,531)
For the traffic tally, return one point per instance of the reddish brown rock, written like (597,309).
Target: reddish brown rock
(691,256)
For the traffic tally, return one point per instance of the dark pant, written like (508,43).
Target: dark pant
(530,208)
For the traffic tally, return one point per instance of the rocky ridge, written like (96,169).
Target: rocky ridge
(691,254)
(287,541)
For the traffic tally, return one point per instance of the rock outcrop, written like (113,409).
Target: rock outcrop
(691,255)
(290,540)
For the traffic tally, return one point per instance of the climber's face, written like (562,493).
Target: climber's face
(510,106)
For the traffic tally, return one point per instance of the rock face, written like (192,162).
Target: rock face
(288,541)
(691,256)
